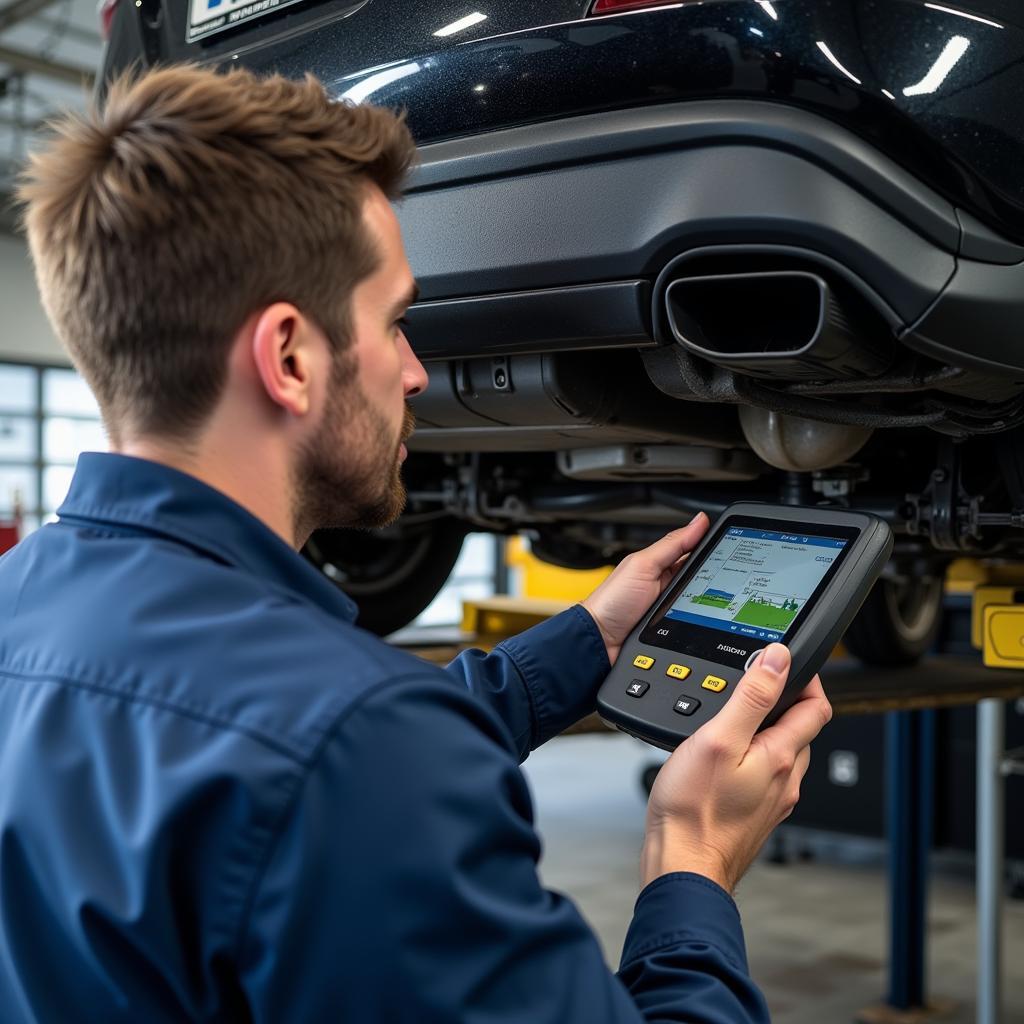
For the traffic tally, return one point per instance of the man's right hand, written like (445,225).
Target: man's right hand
(720,794)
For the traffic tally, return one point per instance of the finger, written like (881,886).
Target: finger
(796,778)
(666,552)
(812,690)
(801,723)
(667,574)
(803,762)
(754,697)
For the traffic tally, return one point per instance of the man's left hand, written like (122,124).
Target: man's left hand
(637,581)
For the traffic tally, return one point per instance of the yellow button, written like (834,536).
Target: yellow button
(677,671)
(642,661)
(715,683)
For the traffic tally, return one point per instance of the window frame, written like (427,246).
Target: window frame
(33,506)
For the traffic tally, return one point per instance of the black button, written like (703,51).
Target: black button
(686,705)
(637,688)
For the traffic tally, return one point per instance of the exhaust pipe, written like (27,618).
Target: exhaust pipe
(785,325)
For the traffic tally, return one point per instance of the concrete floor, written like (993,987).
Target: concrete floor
(816,932)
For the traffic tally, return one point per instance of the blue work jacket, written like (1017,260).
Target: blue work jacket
(222,800)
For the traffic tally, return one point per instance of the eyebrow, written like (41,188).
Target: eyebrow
(406,300)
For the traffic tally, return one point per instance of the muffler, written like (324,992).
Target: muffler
(784,325)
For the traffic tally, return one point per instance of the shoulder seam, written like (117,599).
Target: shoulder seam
(134,697)
(149,528)
(112,517)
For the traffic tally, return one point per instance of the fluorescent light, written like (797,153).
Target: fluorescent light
(964,14)
(945,62)
(364,89)
(885,92)
(832,60)
(463,23)
(756,32)
(768,9)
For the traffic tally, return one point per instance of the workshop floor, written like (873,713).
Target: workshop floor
(816,933)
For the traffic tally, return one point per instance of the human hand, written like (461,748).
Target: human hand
(637,582)
(723,790)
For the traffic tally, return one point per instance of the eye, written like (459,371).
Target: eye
(402,323)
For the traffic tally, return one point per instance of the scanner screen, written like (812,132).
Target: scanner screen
(755,582)
(750,588)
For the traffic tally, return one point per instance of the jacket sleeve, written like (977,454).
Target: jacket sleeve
(402,887)
(541,681)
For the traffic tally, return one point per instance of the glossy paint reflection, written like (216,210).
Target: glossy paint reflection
(937,86)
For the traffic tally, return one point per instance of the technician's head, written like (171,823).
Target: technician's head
(219,256)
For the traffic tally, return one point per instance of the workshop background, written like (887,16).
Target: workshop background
(822,907)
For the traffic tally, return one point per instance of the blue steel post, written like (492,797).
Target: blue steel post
(910,777)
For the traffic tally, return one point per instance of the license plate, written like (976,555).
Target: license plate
(208,17)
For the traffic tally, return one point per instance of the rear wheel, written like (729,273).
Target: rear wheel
(898,622)
(392,574)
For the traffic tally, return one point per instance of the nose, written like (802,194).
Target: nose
(414,376)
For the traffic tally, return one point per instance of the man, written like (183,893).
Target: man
(222,800)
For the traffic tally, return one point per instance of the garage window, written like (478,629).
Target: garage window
(48,416)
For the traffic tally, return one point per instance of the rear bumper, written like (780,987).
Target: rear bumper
(553,236)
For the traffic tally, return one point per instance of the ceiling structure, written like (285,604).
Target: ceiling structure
(49,53)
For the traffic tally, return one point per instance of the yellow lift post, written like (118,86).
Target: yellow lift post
(544,590)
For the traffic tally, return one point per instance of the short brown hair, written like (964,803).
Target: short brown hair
(191,200)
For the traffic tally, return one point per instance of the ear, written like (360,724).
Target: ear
(282,351)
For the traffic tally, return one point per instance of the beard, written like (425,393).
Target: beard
(351,474)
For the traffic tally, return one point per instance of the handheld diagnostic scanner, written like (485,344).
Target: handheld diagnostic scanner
(762,573)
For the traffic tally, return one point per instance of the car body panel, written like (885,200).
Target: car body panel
(571,222)
(955,122)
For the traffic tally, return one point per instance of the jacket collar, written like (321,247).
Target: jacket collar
(121,490)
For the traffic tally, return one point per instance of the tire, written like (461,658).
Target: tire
(391,574)
(897,624)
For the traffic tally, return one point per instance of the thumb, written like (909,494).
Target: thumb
(667,551)
(754,697)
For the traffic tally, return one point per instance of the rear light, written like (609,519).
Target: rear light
(612,6)
(106,9)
